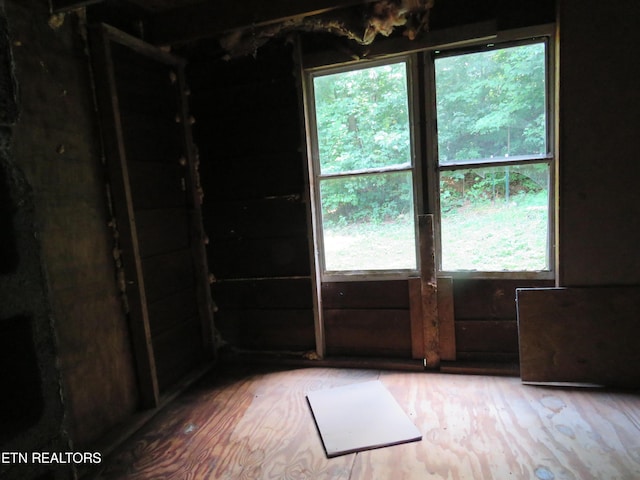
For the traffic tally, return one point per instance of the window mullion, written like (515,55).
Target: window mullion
(368,171)
(494,162)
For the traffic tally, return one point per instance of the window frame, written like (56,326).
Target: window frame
(424,147)
(316,175)
(543,34)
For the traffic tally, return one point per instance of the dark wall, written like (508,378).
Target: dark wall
(599,159)
(248,130)
(249,133)
(56,147)
(247,118)
(31,407)
(598,201)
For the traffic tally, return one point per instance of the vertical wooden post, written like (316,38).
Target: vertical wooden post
(430,324)
(316,279)
(198,249)
(116,161)
(446,319)
(415,314)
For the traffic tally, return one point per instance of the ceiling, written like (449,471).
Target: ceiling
(182,23)
(172,22)
(164,5)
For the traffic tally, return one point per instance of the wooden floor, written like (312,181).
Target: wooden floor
(256,424)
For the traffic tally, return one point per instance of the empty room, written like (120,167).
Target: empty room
(348,239)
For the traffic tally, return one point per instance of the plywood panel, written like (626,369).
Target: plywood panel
(163,150)
(120,190)
(264,293)
(268,329)
(268,217)
(479,427)
(158,184)
(255,257)
(139,85)
(368,332)
(255,423)
(366,295)
(600,200)
(580,335)
(167,311)
(145,101)
(262,174)
(489,298)
(252,171)
(159,135)
(167,274)
(162,230)
(488,336)
(253,138)
(265,96)
(235,121)
(178,351)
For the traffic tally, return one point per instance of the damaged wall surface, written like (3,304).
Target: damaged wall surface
(56,146)
(31,404)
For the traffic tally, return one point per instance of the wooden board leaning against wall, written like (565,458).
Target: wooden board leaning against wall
(151,162)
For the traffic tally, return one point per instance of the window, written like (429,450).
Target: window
(493,159)
(488,161)
(363,169)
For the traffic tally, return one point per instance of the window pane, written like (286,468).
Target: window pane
(362,118)
(495,219)
(368,222)
(491,104)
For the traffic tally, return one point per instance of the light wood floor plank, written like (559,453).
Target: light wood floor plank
(496,428)
(256,424)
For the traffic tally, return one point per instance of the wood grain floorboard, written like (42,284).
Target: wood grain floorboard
(256,424)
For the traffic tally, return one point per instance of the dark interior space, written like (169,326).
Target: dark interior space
(161,219)
(9,260)
(22,403)
(262,266)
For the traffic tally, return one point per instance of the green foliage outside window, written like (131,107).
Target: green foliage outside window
(491,104)
(362,119)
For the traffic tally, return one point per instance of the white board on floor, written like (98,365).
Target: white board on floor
(358,417)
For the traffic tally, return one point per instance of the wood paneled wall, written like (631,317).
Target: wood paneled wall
(367,318)
(373,318)
(153,143)
(56,145)
(599,102)
(249,134)
(248,130)
(485,318)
